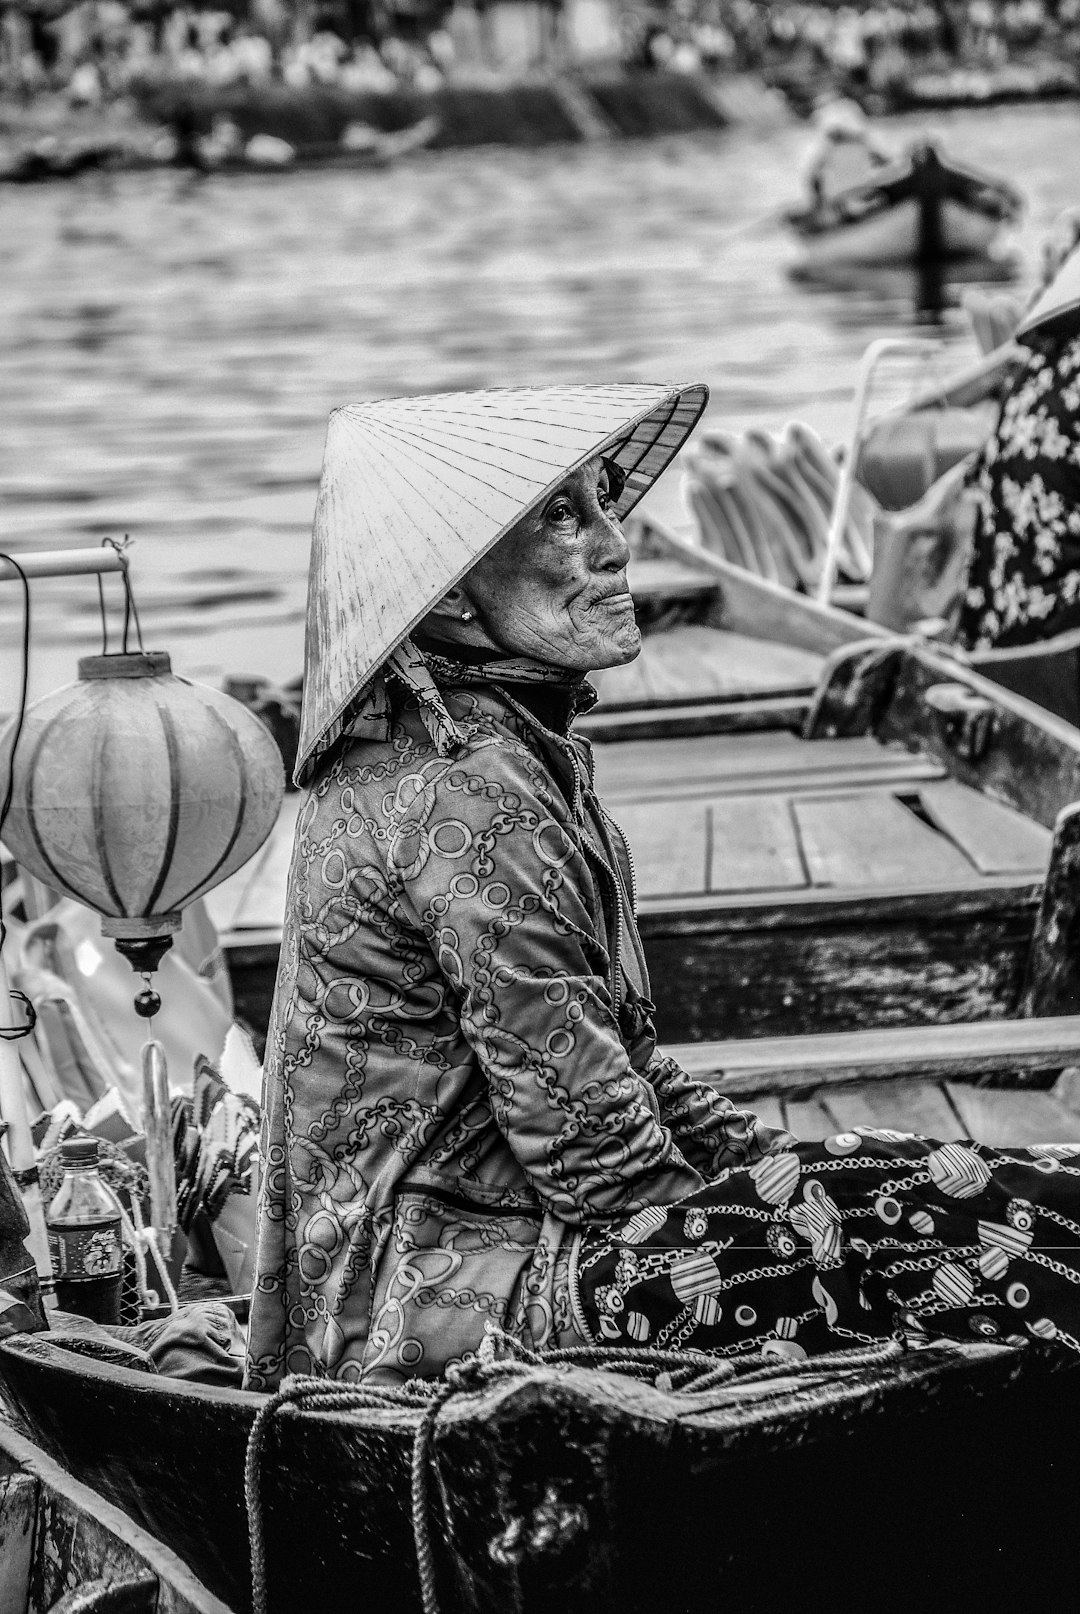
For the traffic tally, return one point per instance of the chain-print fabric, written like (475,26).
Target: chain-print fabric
(1024,579)
(461,1068)
(868,1234)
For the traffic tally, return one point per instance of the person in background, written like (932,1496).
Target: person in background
(845,154)
(1023,582)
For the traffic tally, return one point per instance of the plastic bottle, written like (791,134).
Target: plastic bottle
(85,1247)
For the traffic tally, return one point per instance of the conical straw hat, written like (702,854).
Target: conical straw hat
(1059,304)
(415,490)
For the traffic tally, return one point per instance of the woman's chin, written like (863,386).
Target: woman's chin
(618,647)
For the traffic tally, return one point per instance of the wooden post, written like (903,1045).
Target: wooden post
(1053,972)
(20,1146)
(157,1123)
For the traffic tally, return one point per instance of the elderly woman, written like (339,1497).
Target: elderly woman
(467,1120)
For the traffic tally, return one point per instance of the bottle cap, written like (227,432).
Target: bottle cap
(79,1152)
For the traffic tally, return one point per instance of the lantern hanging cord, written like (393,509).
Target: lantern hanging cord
(24,679)
(131,610)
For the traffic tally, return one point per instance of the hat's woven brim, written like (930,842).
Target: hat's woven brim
(415,490)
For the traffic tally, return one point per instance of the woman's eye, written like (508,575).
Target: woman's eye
(560,512)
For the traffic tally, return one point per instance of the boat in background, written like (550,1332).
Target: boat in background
(922,208)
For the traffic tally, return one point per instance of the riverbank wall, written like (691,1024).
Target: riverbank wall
(178,122)
(275,125)
(528,113)
(619,103)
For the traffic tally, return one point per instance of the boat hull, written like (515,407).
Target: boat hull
(63,1546)
(893,236)
(820,1490)
(922,209)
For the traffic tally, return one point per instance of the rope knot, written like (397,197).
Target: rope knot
(470,1374)
(549,1527)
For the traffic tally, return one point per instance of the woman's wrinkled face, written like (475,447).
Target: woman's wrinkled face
(555,587)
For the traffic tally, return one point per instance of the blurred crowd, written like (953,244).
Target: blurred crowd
(866,49)
(98,50)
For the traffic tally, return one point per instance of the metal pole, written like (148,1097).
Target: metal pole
(18,1141)
(842,502)
(62,563)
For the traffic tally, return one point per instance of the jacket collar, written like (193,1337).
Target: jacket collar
(553,697)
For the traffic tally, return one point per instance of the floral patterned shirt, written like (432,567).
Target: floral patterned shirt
(461,1067)
(1024,581)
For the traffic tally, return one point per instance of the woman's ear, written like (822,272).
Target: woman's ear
(455,606)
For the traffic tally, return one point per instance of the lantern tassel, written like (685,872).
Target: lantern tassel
(160,1164)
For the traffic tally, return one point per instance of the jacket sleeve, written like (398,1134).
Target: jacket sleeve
(711,1133)
(487,865)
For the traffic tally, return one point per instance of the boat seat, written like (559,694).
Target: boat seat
(985,1049)
(929,1080)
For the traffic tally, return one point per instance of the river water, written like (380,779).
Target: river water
(170,349)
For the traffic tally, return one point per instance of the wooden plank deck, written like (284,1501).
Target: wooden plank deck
(694,662)
(743,816)
(740,764)
(753,845)
(1003,1118)
(996,838)
(871,839)
(910,1080)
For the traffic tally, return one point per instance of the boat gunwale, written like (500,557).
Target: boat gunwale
(812,1392)
(781,908)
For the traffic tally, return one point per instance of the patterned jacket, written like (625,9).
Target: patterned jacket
(461,1069)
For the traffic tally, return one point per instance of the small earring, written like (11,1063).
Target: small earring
(467,616)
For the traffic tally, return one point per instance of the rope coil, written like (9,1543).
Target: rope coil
(691,1373)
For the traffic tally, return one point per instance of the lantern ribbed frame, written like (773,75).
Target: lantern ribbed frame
(136,791)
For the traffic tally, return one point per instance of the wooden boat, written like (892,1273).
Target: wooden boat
(64,1547)
(919,209)
(799,868)
(541,1486)
(559,1486)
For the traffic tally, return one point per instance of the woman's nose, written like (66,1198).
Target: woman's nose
(611,552)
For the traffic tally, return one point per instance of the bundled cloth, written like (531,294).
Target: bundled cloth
(216,1149)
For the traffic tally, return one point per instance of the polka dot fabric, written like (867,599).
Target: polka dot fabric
(868,1234)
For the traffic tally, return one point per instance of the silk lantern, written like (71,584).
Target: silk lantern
(136,791)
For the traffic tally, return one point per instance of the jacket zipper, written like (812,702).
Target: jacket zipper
(567,750)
